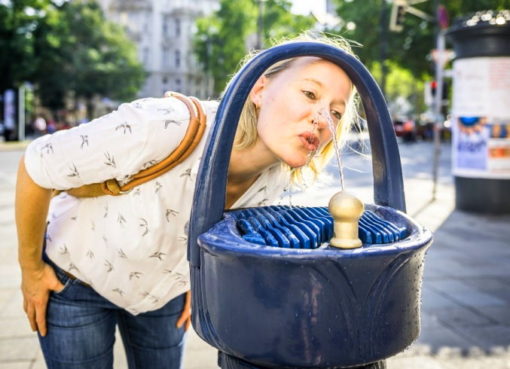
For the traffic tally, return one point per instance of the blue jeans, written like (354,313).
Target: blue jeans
(81,331)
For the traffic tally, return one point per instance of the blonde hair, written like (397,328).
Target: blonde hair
(246,134)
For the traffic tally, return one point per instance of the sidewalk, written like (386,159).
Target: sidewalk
(465,297)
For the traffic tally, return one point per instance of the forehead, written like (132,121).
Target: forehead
(319,71)
(307,63)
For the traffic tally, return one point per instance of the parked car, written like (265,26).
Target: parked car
(406,129)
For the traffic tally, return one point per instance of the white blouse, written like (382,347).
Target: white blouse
(132,248)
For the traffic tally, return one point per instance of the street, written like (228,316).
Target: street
(465,297)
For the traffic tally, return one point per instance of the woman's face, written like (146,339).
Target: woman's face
(294,106)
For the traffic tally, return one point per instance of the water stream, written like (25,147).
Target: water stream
(338,155)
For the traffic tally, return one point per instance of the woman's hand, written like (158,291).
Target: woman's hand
(36,285)
(185,318)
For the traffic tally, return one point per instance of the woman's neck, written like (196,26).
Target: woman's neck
(247,164)
(245,167)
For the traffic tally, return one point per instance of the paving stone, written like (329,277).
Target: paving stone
(486,337)
(15,327)
(431,300)
(14,306)
(18,349)
(465,294)
(441,337)
(16,365)
(499,314)
(459,315)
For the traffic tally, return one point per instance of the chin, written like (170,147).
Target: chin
(296,163)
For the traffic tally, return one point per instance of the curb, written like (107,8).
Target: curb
(14,146)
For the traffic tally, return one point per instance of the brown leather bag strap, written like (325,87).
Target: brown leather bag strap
(191,138)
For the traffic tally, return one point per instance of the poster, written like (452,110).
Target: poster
(481,117)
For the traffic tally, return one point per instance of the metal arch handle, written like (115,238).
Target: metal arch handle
(209,198)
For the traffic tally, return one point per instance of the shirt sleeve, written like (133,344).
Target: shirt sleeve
(118,145)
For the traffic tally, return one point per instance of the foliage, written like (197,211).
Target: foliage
(410,48)
(66,48)
(222,39)
(407,59)
(78,50)
(18,20)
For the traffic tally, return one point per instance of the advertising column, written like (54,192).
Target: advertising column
(481,112)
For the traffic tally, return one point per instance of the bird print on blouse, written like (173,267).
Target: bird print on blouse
(47,149)
(73,171)
(125,127)
(172,121)
(170,213)
(149,164)
(84,141)
(157,186)
(135,275)
(186,173)
(63,249)
(121,220)
(144,226)
(157,255)
(119,291)
(108,265)
(110,160)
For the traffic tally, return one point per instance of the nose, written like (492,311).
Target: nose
(320,118)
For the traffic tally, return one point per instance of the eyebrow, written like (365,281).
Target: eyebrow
(318,83)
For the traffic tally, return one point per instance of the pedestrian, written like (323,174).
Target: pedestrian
(90,264)
(39,126)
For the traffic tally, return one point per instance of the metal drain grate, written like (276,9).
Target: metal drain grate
(307,227)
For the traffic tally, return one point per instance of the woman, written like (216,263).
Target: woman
(89,264)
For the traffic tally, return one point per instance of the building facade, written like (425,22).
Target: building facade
(163,32)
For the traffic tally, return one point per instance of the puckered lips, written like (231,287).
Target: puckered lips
(310,141)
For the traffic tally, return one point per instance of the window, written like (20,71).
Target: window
(166,26)
(165,57)
(177,58)
(177,27)
(145,55)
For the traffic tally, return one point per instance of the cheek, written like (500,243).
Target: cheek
(327,135)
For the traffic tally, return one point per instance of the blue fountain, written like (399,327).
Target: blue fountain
(268,289)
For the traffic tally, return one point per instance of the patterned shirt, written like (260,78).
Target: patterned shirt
(132,248)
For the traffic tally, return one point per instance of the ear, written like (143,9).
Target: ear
(257,90)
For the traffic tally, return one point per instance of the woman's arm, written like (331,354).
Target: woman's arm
(38,278)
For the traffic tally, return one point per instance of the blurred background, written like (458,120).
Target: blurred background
(65,62)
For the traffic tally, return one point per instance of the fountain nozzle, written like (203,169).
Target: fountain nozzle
(346,211)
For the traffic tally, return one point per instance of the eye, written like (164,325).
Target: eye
(309,94)
(336,114)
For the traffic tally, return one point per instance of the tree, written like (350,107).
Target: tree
(79,52)
(407,52)
(18,20)
(409,49)
(222,39)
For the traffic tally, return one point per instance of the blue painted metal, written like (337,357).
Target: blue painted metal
(303,307)
(209,197)
(256,224)
(320,308)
